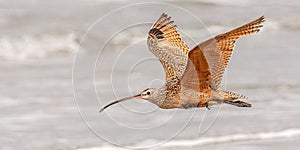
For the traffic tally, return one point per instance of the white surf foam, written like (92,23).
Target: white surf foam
(7,102)
(289,133)
(103,148)
(227,2)
(29,47)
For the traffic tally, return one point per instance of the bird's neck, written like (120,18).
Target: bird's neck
(158,96)
(161,94)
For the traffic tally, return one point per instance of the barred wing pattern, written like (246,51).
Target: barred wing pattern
(214,55)
(165,43)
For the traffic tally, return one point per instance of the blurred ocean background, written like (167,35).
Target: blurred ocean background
(42,41)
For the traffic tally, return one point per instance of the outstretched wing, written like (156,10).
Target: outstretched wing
(165,43)
(210,58)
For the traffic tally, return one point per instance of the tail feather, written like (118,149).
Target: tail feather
(238,103)
(229,96)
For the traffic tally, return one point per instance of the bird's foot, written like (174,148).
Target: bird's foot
(207,107)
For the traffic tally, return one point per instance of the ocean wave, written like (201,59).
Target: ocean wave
(40,46)
(7,102)
(269,25)
(239,3)
(288,133)
(227,2)
(272,24)
(31,47)
(106,147)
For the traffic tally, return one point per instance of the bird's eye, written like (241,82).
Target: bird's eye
(148,93)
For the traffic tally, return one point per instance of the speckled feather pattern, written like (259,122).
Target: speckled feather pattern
(193,77)
(223,46)
(165,43)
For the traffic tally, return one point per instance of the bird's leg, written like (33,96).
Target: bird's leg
(203,105)
(207,106)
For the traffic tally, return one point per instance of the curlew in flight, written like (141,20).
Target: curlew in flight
(193,77)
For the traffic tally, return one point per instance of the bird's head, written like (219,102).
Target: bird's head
(146,94)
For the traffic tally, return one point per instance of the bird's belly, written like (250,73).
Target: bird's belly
(189,99)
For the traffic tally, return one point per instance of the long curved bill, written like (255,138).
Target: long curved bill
(121,100)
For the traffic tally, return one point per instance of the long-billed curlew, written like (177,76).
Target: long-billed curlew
(193,77)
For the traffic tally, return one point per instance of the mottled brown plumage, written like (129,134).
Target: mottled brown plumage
(165,43)
(193,77)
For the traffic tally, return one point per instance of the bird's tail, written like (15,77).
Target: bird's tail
(238,103)
(230,98)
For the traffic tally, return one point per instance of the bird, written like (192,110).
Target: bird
(193,77)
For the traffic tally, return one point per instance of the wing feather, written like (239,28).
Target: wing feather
(165,42)
(210,58)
